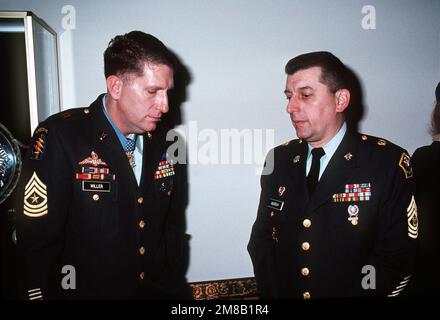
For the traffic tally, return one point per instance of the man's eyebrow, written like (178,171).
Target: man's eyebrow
(302,88)
(306,88)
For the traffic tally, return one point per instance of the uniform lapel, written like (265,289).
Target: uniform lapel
(296,167)
(154,148)
(341,166)
(109,148)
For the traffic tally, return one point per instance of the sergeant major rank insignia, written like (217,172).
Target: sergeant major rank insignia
(35,197)
(413,221)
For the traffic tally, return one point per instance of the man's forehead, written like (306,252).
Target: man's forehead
(158,72)
(149,65)
(309,77)
(312,72)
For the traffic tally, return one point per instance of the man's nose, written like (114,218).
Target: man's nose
(293,105)
(163,104)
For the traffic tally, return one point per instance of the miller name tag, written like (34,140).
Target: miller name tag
(96,186)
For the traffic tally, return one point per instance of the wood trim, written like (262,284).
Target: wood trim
(239,288)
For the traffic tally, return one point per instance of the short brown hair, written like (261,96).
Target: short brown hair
(333,71)
(127,54)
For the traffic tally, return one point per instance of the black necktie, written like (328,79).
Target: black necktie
(312,178)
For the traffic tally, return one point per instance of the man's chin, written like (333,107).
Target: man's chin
(301,135)
(151,126)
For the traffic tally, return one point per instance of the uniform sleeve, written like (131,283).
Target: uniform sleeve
(44,193)
(396,243)
(261,245)
(174,284)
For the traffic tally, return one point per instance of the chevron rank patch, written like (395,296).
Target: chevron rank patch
(405,164)
(39,143)
(35,197)
(413,221)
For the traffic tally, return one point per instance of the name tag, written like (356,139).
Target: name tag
(276,204)
(97,186)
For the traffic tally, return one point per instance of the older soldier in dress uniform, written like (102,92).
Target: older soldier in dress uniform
(337,216)
(425,162)
(103,212)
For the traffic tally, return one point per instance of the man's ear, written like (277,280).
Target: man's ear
(114,86)
(342,99)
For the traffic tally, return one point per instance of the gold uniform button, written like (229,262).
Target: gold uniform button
(142,275)
(364,137)
(305,246)
(306,295)
(307,223)
(141,250)
(140,200)
(86,111)
(272,214)
(95,197)
(141,224)
(305,272)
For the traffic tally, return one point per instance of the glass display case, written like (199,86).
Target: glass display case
(29,77)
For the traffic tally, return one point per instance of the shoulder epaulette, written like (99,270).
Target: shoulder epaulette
(374,140)
(296,141)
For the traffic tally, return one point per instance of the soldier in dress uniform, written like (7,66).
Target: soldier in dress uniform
(103,203)
(425,161)
(337,216)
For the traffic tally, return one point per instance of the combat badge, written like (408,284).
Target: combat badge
(39,144)
(405,164)
(35,197)
(93,160)
(413,221)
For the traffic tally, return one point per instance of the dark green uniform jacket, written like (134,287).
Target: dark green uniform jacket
(87,230)
(356,235)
